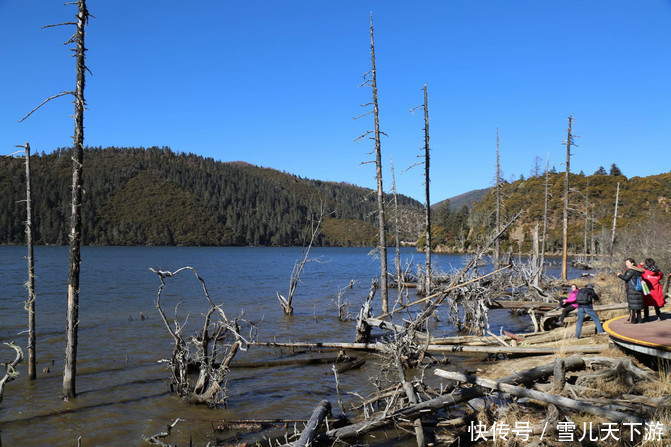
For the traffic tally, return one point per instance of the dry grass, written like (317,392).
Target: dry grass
(660,387)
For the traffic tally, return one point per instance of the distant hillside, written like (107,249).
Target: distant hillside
(468,198)
(137,196)
(591,209)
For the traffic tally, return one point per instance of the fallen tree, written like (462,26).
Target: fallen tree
(430,406)
(615,416)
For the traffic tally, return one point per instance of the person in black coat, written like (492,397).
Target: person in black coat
(634,297)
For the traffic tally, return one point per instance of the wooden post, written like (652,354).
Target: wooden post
(32,369)
(72,316)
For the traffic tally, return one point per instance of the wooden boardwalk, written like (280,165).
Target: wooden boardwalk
(651,338)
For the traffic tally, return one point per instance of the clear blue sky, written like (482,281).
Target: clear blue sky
(276,83)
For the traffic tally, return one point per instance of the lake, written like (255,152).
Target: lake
(122,389)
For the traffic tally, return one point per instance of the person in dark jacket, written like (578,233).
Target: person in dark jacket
(569,305)
(634,297)
(585,297)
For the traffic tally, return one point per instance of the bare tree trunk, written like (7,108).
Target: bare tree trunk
(32,374)
(399,278)
(426,188)
(566,189)
(70,366)
(612,237)
(497,247)
(318,415)
(615,416)
(586,221)
(380,190)
(545,218)
(534,261)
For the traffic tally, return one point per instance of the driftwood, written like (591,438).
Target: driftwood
(442,292)
(362,327)
(308,435)
(273,363)
(427,407)
(380,347)
(564,402)
(10,368)
(431,308)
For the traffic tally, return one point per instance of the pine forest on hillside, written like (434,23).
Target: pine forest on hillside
(591,211)
(155,196)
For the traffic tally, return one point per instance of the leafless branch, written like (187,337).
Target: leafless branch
(11,373)
(46,101)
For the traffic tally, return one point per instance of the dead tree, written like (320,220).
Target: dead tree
(72,314)
(30,304)
(612,237)
(427,215)
(497,246)
(199,363)
(382,241)
(545,218)
(299,264)
(397,260)
(30,283)
(70,367)
(569,143)
(419,321)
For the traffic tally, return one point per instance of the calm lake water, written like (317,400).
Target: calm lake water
(122,390)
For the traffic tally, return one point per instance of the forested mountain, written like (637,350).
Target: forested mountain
(137,196)
(644,202)
(591,209)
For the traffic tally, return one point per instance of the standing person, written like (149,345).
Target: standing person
(584,299)
(653,277)
(569,304)
(634,297)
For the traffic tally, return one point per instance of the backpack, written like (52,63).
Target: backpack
(636,284)
(584,297)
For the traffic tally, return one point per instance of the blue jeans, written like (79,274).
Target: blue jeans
(589,310)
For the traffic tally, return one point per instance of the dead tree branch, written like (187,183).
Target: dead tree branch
(10,368)
(202,355)
(315,231)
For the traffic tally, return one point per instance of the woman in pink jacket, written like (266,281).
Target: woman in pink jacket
(569,304)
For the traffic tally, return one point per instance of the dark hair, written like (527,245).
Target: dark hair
(650,262)
(575,285)
(630,260)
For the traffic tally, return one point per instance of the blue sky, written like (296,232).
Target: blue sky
(276,83)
